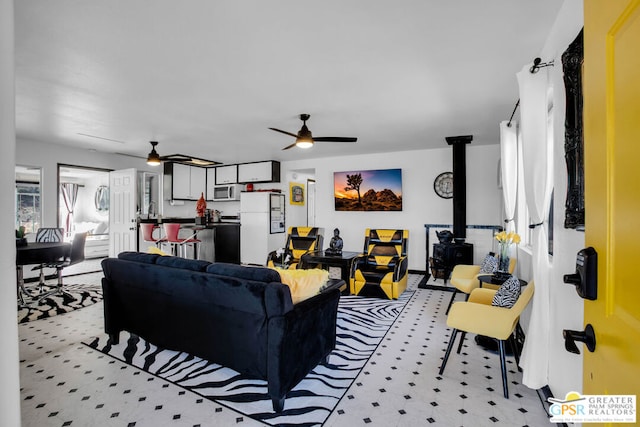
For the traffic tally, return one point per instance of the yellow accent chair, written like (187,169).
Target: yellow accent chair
(464,278)
(478,316)
(382,269)
(300,240)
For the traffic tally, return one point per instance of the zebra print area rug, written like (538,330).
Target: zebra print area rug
(76,296)
(362,324)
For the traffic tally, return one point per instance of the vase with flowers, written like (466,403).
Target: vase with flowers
(505,240)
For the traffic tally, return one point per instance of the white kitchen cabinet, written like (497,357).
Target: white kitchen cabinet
(211,182)
(268,171)
(181,185)
(184,182)
(227,174)
(198,182)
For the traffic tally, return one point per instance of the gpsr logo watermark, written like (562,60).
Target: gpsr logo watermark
(593,408)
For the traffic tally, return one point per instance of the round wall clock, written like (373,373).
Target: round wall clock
(443,185)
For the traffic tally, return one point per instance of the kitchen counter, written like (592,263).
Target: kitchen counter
(220,241)
(190,221)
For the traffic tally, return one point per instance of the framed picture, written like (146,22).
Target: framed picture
(368,190)
(296,193)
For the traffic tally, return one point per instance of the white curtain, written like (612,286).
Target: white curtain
(70,196)
(509,169)
(537,172)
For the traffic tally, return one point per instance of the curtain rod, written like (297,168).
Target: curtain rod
(537,64)
(513,113)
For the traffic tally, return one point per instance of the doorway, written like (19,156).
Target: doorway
(311,202)
(83,206)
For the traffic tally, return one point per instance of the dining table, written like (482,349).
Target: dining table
(37,253)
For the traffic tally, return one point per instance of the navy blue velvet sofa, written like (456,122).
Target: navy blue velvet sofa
(239,317)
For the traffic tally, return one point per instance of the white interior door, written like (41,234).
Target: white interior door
(122,211)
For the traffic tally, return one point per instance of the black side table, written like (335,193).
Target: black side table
(497,279)
(343,261)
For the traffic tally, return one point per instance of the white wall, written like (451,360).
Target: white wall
(420,203)
(9,367)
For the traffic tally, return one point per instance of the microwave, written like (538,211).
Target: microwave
(226,192)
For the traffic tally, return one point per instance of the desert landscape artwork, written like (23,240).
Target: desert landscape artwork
(369,190)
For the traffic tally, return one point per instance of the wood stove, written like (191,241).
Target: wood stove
(445,256)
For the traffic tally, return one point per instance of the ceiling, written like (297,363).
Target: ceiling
(208,78)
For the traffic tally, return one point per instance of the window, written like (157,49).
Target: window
(27,202)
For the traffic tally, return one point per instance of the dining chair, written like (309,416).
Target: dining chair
(49,234)
(46,235)
(76,255)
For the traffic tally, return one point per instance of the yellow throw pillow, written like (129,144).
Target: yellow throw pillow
(155,250)
(303,284)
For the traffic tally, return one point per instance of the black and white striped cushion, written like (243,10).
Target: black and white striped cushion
(508,293)
(489,265)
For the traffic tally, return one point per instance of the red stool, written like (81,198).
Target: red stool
(179,245)
(147,233)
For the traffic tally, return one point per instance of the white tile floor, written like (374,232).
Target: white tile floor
(65,383)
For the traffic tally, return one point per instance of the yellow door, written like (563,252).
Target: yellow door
(612,192)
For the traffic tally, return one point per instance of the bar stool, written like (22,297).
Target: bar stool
(178,245)
(147,233)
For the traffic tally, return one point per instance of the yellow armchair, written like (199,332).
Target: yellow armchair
(478,316)
(382,269)
(300,240)
(464,278)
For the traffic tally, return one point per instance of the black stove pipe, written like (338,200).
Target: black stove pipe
(459,185)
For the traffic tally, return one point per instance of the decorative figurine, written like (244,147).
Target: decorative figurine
(201,207)
(335,245)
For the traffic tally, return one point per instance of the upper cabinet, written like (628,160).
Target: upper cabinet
(268,171)
(211,182)
(226,174)
(198,182)
(184,182)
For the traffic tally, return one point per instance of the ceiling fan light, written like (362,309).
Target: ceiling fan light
(304,143)
(153,159)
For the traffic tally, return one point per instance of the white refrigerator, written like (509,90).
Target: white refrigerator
(262,225)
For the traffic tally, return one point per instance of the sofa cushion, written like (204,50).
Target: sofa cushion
(138,257)
(259,274)
(303,284)
(185,263)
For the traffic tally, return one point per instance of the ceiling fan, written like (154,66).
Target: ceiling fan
(304,138)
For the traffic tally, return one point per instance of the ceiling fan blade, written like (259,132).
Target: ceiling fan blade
(285,132)
(335,139)
(289,146)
